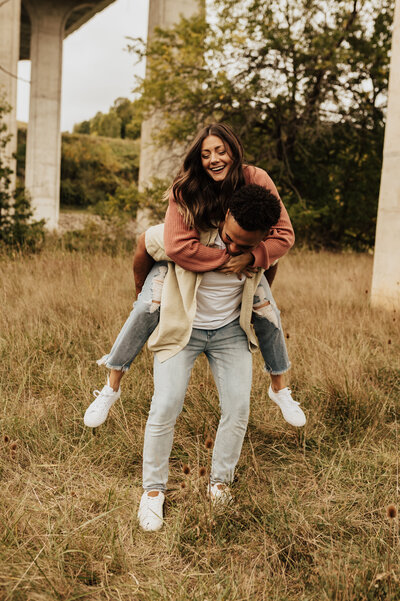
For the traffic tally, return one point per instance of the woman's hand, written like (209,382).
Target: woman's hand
(239,264)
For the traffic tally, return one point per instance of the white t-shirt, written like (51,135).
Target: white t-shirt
(218,297)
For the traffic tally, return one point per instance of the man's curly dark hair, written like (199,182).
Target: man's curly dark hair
(255,208)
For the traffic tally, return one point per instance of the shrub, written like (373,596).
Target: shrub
(18,231)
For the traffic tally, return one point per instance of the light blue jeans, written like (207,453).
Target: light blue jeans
(230,360)
(144,317)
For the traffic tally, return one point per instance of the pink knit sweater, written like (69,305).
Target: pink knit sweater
(183,245)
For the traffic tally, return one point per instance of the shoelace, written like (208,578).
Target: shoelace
(152,504)
(153,500)
(291,400)
(105,395)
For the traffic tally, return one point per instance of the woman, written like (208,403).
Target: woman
(211,171)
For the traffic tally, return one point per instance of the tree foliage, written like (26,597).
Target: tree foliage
(122,121)
(303,83)
(96,170)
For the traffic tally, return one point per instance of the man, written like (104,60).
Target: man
(208,313)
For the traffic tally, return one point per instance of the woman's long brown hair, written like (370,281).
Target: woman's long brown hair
(202,201)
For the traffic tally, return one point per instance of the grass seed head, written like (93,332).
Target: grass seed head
(391,511)
(209,442)
(6,438)
(186,469)
(202,471)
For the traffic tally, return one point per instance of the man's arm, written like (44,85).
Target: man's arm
(142,263)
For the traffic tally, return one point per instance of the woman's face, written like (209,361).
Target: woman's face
(216,158)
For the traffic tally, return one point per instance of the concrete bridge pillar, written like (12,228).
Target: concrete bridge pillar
(386,275)
(156,161)
(43,146)
(10,12)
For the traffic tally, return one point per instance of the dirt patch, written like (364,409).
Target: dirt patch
(77,221)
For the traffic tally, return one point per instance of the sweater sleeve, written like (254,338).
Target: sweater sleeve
(183,245)
(281,236)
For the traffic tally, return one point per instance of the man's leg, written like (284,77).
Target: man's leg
(170,383)
(171,379)
(231,364)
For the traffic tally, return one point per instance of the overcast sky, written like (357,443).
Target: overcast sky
(96,68)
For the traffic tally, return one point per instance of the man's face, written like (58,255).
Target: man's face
(236,239)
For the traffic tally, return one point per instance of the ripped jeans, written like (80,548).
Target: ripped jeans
(144,317)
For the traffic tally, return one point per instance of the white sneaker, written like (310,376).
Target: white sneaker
(290,409)
(96,413)
(220,493)
(150,512)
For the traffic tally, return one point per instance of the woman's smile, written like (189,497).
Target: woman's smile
(216,158)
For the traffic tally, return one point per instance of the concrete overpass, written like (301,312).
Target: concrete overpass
(385,291)
(35,30)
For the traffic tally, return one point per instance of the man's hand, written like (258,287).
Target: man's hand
(239,264)
(142,263)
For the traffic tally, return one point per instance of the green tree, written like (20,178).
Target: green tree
(82,128)
(122,121)
(125,110)
(303,82)
(107,125)
(94,169)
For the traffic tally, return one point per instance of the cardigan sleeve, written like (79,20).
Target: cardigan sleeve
(183,245)
(154,242)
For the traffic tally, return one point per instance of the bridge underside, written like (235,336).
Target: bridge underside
(35,30)
(80,15)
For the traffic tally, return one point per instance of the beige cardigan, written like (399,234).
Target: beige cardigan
(178,299)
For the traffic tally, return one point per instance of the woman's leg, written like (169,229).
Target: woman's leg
(268,328)
(140,324)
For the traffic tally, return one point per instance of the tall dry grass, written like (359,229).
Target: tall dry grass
(310,519)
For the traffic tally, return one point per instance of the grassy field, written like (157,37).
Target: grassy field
(310,521)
